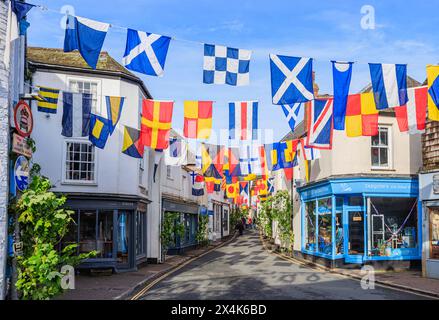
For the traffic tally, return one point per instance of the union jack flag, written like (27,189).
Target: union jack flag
(319,124)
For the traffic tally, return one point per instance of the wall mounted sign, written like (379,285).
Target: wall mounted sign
(20,146)
(23,119)
(21,173)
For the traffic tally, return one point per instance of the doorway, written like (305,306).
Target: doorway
(356,233)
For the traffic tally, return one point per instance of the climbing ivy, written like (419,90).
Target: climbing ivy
(201,236)
(282,214)
(265,217)
(171,229)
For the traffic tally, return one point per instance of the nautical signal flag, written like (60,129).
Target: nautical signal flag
(99,131)
(232,190)
(48,100)
(411,117)
(212,160)
(197,185)
(342,73)
(76,114)
(197,119)
(361,115)
(320,124)
(114,111)
(231,166)
(87,36)
(243,120)
(308,152)
(281,155)
(156,123)
(389,83)
(433,90)
(132,145)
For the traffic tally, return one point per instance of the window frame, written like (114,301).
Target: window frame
(64,179)
(389,149)
(98,107)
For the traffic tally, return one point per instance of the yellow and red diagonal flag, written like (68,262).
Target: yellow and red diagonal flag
(156,123)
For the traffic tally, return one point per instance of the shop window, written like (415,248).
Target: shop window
(380,150)
(87,231)
(80,162)
(71,236)
(105,234)
(123,234)
(140,233)
(393,225)
(77,86)
(324,209)
(226,220)
(310,230)
(339,237)
(434,234)
(339,201)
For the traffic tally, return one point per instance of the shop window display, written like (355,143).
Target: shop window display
(339,249)
(434,234)
(105,234)
(393,226)
(310,230)
(325,226)
(87,231)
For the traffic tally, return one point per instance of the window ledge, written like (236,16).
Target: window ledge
(78,183)
(382,169)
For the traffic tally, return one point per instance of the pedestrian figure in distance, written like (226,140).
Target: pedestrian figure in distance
(244,222)
(240,227)
(250,223)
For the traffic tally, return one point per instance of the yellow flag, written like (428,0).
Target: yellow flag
(432,74)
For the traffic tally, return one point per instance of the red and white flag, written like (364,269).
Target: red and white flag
(411,117)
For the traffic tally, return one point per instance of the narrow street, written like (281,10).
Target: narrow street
(243,269)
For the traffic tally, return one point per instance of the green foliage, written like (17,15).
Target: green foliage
(201,236)
(171,229)
(265,217)
(235,216)
(43,224)
(282,213)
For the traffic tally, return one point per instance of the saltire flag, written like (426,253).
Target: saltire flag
(412,116)
(176,154)
(294,113)
(243,120)
(212,158)
(291,79)
(342,73)
(270,185)
(132,145)
(389,83)
(308,152)
(158,154)
(232,190)
(197,119)
(114,110)
(156,123)
(99,131)
(76,114)
(249,159)
(224,65)
(433,90)
(87,36)
(146,52)
(49,99)
(197,185)
(361,115)
(320,124)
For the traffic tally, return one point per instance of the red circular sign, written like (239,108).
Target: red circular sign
(23,119)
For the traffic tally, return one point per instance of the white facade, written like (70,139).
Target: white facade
(115,176)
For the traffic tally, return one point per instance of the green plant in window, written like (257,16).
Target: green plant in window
(201,236)
(282,213)
(43,224)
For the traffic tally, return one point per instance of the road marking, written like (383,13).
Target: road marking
(170,272)
(310,266)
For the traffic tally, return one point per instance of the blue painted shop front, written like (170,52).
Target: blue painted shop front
(361,219)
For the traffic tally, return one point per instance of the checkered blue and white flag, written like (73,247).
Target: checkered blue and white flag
(224,65)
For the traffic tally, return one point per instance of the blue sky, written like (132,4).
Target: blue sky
(323,30)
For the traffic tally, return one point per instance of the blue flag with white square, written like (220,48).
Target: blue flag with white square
(146,52)
(291,79)
(389,83)
(224,65)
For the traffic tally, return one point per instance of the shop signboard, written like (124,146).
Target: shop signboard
(20,146)
(23,119)
(21,173)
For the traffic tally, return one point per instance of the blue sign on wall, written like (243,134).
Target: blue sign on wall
(21,173)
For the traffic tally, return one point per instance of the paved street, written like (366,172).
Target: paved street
(244,270)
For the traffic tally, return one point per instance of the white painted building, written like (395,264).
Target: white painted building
(117,205)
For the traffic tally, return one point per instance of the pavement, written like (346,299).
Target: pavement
(244,269)
(122,285)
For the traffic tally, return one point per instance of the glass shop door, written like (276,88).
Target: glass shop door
(355,233)
(124,239)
